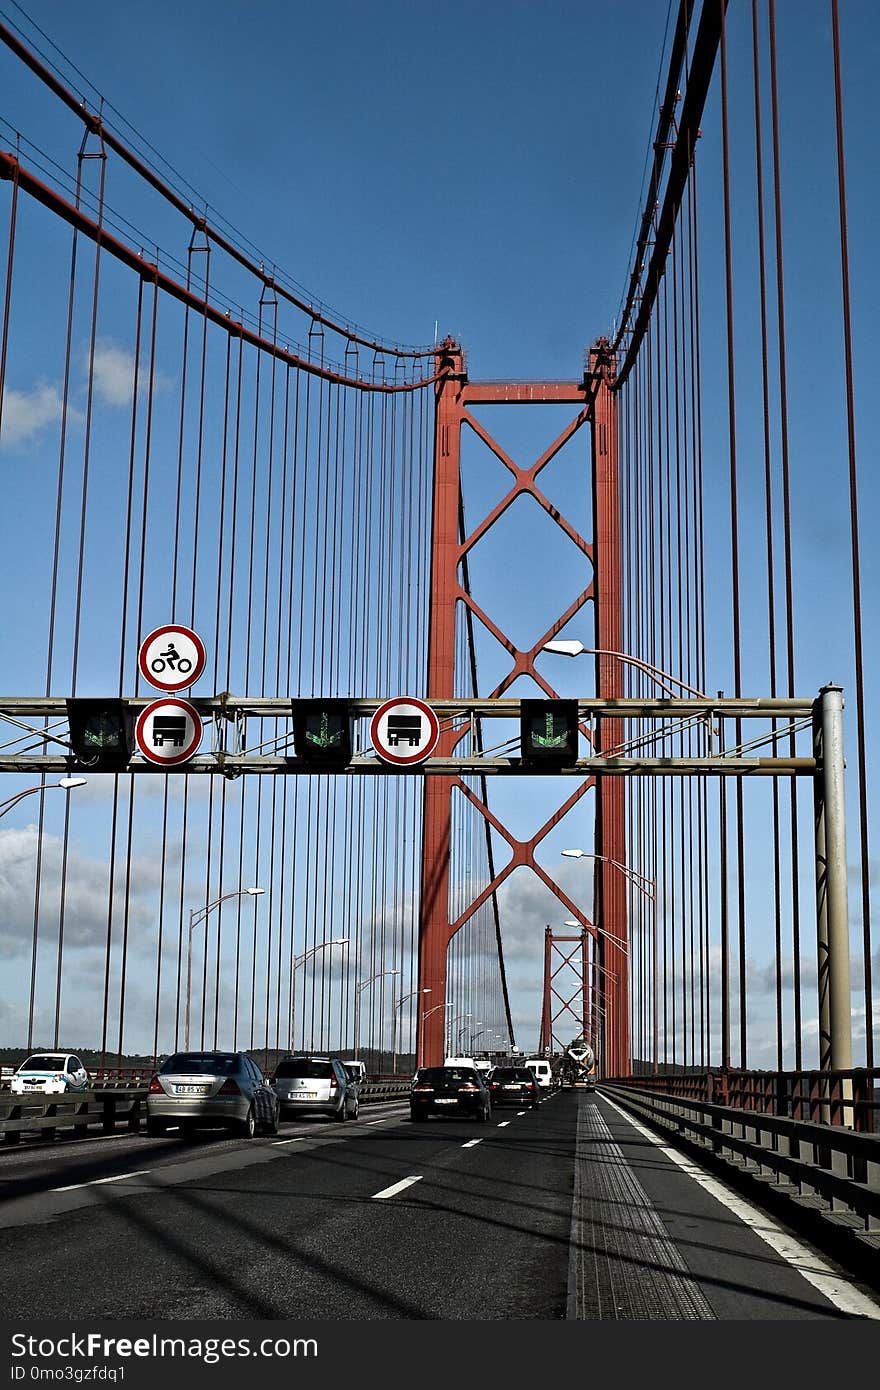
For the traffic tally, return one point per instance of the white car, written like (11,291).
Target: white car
(51,1074)
(542,1070)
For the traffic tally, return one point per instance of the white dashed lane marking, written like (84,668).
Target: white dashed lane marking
(120,1177)
(397,1187)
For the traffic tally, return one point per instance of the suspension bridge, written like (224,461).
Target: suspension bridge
(295,690)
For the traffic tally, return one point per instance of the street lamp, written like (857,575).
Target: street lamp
(198,915)
(66,784)
(462,1031)
(361,985)
(448,1005)
(621,945)
(476,1035)
(412,993)
(648,887)
(451,1024)
(656,673)
(297,961)
(428,1012)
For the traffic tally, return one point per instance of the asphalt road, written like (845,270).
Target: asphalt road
(567,1212)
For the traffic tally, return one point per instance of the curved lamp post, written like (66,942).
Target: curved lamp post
(198,915)
(361,985)
(411,995)
(297,961)
(648,887)
(65,784)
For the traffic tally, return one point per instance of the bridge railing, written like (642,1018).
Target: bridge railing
(118,1097)
(850,1098)
(828,1172)
(78,1111)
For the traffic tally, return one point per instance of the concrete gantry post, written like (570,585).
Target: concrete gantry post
(832,904)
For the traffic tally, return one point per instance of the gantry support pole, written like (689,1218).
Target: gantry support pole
(546,1026)
(611,894)
(434,931)
(832,904)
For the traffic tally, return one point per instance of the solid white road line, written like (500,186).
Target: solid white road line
(837,1289)
(120,1177)
(299,1139)
(471,1143)
(397,1187)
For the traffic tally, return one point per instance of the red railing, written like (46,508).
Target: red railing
(847,1098)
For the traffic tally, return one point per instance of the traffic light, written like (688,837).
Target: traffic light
(549,732)
(101,733)
(322,732)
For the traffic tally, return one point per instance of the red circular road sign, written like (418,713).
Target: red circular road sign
(404,731)
(168,732)
(172,657)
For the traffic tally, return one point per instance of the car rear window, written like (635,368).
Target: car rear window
(304,1067)
(508,1074)
(201,1064)
(442,1076)
(43,1063)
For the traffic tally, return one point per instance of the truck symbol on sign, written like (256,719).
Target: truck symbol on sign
(406,727)
(169,728)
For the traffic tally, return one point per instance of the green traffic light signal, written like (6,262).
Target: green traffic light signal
(549,732)
(101,733)
(322,731)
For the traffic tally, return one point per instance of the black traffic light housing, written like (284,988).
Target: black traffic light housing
(549,732)
(322,732)
(101,733)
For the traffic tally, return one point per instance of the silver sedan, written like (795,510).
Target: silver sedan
(211,1089)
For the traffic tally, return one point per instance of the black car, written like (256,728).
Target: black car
(513,1086)
(449,1091)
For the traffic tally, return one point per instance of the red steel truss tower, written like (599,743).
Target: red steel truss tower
(594,403)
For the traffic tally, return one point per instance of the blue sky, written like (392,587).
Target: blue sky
(479,168)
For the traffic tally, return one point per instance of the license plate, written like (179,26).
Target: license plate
(193,1090)
(512,1088)
(446,1100)
(304,1095)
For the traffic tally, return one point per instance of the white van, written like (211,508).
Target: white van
(356,1070)
(460,1062)
(541,1067)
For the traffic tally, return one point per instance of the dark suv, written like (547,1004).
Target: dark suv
(513,1086)
(449,1091)
(315,1086)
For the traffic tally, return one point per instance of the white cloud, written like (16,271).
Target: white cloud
(114,374)
(85,897)
(25,413)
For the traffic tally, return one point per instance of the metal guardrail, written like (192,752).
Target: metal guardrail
(78,1111)
(826,1168)
(107,1105)
(848,1098)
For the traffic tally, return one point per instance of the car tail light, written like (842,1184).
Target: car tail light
(494,1085)
(423,1086)
(469,1086)
(229,1088)
(333,1083)
(155,1086)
